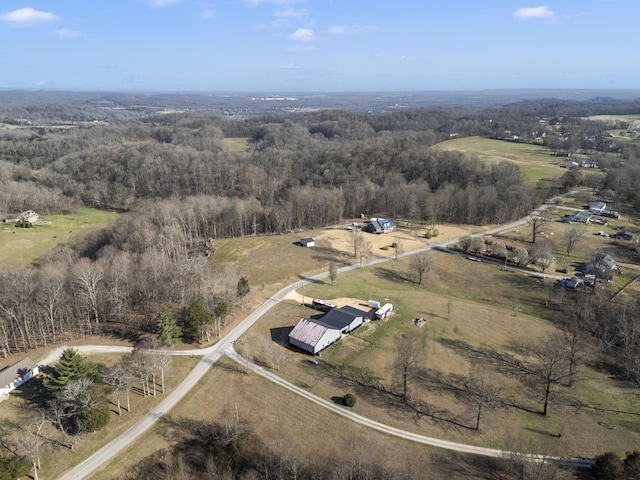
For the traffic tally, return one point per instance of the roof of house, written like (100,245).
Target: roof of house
(597,205)
(306,240)
(10,373)
(308,331)
(383,223)
(340,318)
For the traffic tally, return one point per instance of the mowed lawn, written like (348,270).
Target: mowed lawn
(27,244)
(536,162)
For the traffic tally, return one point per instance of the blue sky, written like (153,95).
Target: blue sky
(318,45)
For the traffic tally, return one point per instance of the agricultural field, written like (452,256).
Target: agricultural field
(536,162)
(21,246)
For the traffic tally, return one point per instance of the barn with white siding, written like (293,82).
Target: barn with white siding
(313,337)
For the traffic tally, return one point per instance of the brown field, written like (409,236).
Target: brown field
(481,318)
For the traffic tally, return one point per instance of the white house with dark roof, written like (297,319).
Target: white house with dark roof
(313,337)
(15,375)
(28,216)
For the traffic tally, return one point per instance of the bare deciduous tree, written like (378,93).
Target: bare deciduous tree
(408,354)
(421,265)
(333,271)
(536,222)
(573,237)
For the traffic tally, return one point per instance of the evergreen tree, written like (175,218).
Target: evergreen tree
(71,366)
(198,318)
(167,330)
(13,467)
(243,290)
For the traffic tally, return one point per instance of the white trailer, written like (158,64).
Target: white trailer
(384,311)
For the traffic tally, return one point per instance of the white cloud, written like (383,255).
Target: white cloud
(27,17)
(290,66)
(66,34)
(207,14)
(303,35)
(162,3)
(534,13)
(256,3)
(350,29)
(292,13)
(300,49)
(43,83)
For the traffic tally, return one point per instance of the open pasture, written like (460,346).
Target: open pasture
(469,308)
(21,246)
(536,162)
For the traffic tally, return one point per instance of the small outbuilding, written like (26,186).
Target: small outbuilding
(313,337)
(307,242)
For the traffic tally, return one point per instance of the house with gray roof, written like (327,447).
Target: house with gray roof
(15,375)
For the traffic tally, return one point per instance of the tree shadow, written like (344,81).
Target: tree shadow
(339,401)
(391,275)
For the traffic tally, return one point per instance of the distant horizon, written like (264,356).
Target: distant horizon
(325,92)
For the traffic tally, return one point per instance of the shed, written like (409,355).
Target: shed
(312,337)
(307,242)
(15,375)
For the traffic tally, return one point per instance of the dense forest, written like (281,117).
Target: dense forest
(179,184)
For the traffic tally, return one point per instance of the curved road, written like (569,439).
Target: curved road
(213,353)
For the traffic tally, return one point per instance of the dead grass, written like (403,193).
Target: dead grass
(284,421)
(481,321)
(57,459)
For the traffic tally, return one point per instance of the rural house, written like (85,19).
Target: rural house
(380,225)
(312,337)
(28,217)
(15,375)
(605,266)
(345,319)
(597,208)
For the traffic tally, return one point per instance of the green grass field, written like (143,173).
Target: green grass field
(535,162)
(27,244)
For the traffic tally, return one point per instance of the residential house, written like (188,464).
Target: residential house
(345,319)
(380,225)
(597,208)
(28,217)
(624,235)
(15,375)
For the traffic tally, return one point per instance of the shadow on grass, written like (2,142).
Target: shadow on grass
(280,335)
(339,401)
(391,275)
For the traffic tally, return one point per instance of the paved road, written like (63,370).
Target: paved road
(213,353)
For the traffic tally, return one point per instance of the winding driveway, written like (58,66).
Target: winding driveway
(211,355)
